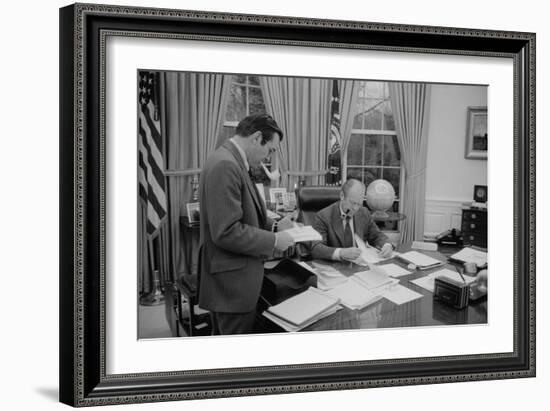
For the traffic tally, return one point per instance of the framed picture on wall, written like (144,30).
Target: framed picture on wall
(103,50)
(476,133)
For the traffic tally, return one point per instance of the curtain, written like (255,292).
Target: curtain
(348,102)
(192,112)
(410,105)
(301,107)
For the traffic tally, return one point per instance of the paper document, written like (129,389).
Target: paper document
(470,255)
(369,254)
(304,233)
(303,307)
(273,215)
(353,295)
(422,261)
(399,294)
(393,270)
(373,278)
(428,282)
(285,325)
(328,277)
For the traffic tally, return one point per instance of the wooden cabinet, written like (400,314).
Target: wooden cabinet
(474,227)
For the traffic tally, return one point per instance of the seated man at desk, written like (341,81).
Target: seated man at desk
(337,223)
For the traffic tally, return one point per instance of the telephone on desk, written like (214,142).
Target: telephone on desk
(450,237)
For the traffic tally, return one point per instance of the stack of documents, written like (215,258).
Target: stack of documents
(421,261)
(471,255)
(353,294)
(428,282)
(304,233)
(393,270)
(328,277)
(302,310)
(374,278)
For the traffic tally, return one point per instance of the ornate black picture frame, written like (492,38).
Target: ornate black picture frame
(83,30)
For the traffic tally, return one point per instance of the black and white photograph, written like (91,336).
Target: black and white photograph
(384,231)
(261,204)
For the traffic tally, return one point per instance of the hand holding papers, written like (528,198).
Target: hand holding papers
(304,233)
(369,255)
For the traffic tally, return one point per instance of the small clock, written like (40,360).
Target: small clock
(480,194)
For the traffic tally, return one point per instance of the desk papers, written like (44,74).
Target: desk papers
(369,255)
(285,325)
(373,278)
(470,255)
(273,215)
(304,233)
(393,270)
(353,295)
(399,294)
(328,277)
(422,261)
(304,307)
(428,282)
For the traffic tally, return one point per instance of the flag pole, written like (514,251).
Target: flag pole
(155,296)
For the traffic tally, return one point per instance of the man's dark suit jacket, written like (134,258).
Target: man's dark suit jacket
(328,222)
(233,236)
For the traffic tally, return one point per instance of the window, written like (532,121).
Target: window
(245,99)
(373,151)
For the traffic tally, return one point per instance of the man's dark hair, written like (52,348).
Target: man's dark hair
(259,122)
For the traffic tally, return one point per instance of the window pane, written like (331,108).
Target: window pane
(370,174)
(225,133)
(254,80)
(240,78)
(373,119)
(392,175)
(355,150)
(375,89)
(392,157)
(355,173)
(373,150)
(387,115)
(358,119)
(236,108)
(256,104)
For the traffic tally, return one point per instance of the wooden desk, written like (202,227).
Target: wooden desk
(424,311)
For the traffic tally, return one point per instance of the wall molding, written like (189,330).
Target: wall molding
(442,214)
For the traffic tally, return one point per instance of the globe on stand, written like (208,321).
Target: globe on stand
(380,196)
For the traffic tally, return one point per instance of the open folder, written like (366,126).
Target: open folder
(304,308)
(420,260)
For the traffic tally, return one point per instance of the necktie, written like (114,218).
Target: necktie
(348,235)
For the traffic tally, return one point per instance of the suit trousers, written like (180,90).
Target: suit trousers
(232,323)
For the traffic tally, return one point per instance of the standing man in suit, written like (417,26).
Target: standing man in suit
(339,221)
(235,233)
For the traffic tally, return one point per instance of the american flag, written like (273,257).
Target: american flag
(151,163)
(335,137)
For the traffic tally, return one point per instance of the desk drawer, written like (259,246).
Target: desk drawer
(474,227)
(478,239)
(474,216)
